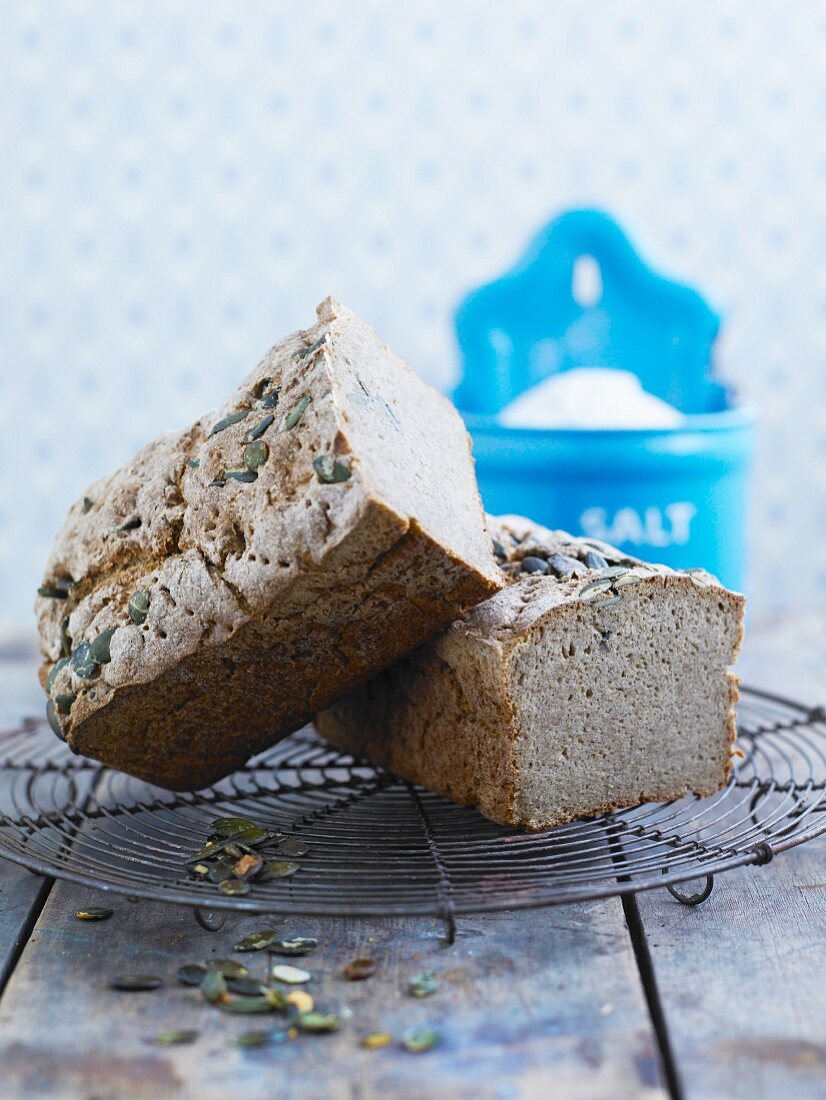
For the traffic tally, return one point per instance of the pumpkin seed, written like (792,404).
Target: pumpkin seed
(211,848)
(293,847)
(595,560)
(213,986)
(318,1022)
(329,470)
(256,454)
(423,985)
(258,430)
(94,914)
(595,588)
(87,503)
(64,702)
(531,564)
(131,524)
(562,565)
(218,483)
(500,552)
(65,638)
(359,969)
(627,580)
(258,1038)
(174,1038)
(194,463)
(300,1000)
(83,663)
(245,987)
(296,412)
(52,592)
(614,571)
(304,353)
(419,1039)
(298,945)
(228,421)
(100,648)
(191,973)
(138,606)
(376,1040)
(53,720)
(275,996)
(246,1006)
(233,888)
(56,669)
(292,975)
(607,602)
(231,826)
(268,400)
(230,968)
(278,869)
(257,941)
(700,578)
(244,476)
(136,983)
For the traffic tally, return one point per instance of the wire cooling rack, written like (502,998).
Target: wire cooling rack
(377,845)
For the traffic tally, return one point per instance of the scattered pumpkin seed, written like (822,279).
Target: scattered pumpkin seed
(131,524)
(228,421)
(292,975)
(627,580)
(53,592)
(275,996)
(245,987)
(301,1001)
(376,1040)
(359,969)
(194,463)
(293,847)
(138,606)
(218,483)
(64,702)
(56,669)
(318,1022)
(233,888)
(561,565)
(53,720)
(256,454)
(191,973)
(94,914)
(532,564)
(231,826)
(258,430)
(65,637)
(100,648)
(136,983)
(500,552)
(268,400)
(230,968)
(595,560)
(595,588)
(700,578)
(246,1006)
(213,986)
(607,601)
(277,869)
(303,353)
(258,1038)
(174,1038)
(257,941)
(211,848)
(614,571)
(296,412)
(245,476)
(83,663)
(298,945)
(423,985)
(329,470)
(88,503)
(419,1039)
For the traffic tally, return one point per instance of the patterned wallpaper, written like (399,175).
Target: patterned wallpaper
(183,180)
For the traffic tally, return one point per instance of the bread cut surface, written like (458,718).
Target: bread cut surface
(591,682)
(204,600)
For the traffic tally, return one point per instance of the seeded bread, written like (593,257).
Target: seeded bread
(235,577)
(592,682)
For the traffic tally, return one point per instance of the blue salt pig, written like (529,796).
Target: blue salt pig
(581,296)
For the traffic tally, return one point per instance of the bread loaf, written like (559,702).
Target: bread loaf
(235,577)
(591,682)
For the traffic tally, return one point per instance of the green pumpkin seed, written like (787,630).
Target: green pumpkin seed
(210,849)
(293,847)
(359,969)
(65,638)
(83,663)
(131,524)
(292,975)
(257,941)
(228,421)
(268,400)
(259,1038)
(191,973)
(329,470)
(419,1039)
(138,606)
(56,669)
(233,888)
(100,648)
(258,430)
(423,985)
(278,869)
(256,454)
(247,1006)
(275,997)
(700,578)
(94,914)
(298,945)
(245,476)
(304,353)
(194,463)
(52,592)
(88,503)
(318,1022)
(229,968)
(53,720)
(213,986)
(218,483)
(174,1038)
(230,826)
(245,987)
(376,1040)
(296,412)
(136,983)
(64,702)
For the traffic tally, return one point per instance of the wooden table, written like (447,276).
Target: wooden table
(603,999)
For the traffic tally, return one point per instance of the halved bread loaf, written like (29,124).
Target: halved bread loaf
(592,682)
(235,577)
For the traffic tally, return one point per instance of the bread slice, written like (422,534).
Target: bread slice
(235,577)
(592,682)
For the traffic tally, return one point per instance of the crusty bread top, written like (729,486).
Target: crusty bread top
(213,543)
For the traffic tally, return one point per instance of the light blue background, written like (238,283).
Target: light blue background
(181,182)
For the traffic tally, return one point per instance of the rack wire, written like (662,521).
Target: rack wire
(377,845)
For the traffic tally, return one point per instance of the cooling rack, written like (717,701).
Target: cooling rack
(371,844)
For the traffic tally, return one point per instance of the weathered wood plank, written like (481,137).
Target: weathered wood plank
(528,1002)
